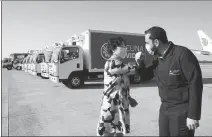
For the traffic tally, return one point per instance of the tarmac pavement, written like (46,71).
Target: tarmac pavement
(32,106)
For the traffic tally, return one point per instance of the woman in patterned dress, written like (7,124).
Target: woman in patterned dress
(114,114)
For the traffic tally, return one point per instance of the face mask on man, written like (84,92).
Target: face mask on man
(152,50)
(149,50)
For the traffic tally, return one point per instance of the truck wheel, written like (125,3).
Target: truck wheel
(136,79)
(9,67)
(75,81)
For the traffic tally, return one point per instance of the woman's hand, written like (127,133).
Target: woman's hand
(132,65)
(138,57)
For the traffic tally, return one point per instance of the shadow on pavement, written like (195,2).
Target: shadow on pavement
(149,83)
(93,86)
(87,86)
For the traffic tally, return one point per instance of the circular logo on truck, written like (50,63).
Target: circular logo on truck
(104,52)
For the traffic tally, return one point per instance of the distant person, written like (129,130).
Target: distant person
(114,117)
(179,80)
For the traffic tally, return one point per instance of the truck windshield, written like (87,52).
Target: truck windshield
(5,60)
(27,59)
(19,56)
(40,58)
(69,53)
(18,60)
(31,59)
(23,60)
(34,56)
(55,54)
(47,56)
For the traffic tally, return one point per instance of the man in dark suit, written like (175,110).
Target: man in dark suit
(179,80)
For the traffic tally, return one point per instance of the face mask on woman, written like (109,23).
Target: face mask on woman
(121,52)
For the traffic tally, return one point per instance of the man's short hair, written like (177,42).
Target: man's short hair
(157,33)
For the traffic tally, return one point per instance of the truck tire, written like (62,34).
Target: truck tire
(75,81)
(136,79)
(9,67)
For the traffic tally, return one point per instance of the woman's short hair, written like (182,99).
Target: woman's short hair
(113,43)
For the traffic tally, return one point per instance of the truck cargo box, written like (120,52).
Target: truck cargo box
(95,54)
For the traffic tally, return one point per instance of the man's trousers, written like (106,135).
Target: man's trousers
(173,124)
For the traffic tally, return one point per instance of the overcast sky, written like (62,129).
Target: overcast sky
(36,24)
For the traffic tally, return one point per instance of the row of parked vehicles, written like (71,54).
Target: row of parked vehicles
(82,58)
(14,61)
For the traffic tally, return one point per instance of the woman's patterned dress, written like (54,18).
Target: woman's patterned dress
(114,113)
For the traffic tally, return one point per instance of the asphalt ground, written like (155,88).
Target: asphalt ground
(32,106)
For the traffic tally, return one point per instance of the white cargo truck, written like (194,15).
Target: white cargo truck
(53,65)
(23,64)
(84,58)
(17,59)
(26,63)
(7,63)
(30,64)
(47,58)
(38,58)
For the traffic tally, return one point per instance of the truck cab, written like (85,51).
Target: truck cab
(17,59)
(16,64)
(26,66)
(7,63)
(45,65)
(38,58)
(83,58)
(30,64)
(22,64)
(33,72)
(25,63)
(67,65)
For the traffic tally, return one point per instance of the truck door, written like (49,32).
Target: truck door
(70,60)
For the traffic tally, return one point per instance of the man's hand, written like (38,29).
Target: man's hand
(192,124)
